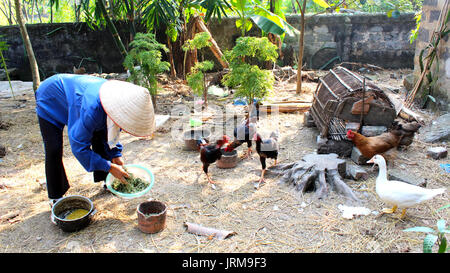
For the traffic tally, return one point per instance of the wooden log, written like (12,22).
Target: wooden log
(201,27)
(291,101)
(319,172)
(286,107)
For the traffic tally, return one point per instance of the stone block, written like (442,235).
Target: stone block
(376,29)
(357,157)
(356,173)
(437,131)
(369,131)
(408,82)
(404,176)
(308,120)
(321,29)
(321,140)
(437,152)
(342,148)
(434,15)
(354,126)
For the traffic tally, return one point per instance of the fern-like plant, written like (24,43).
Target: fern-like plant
(248,78)
(144,61)
(434,236)
(196,77)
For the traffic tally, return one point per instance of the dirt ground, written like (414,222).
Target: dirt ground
(274,218)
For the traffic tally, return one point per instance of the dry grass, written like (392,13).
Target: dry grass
(274,218)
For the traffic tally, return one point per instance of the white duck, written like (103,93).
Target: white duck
(399,194)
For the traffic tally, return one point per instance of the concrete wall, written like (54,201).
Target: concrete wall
(366,38)
(60,47)
(441,68)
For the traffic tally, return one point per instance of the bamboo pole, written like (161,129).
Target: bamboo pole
(28,47)
(301,47)
(112,29)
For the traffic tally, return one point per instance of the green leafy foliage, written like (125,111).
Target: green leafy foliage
(250,80)
(200,40)
(259,48)
(415,31)
(3,47)
(133,185)
(434,236)
(392,8)
(144,61)
(267,21)
(196,78)
(213,8)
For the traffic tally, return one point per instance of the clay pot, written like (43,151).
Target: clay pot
(228,160)
(151,216)
(191,136)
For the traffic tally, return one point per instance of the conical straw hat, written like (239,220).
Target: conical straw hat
(129,106)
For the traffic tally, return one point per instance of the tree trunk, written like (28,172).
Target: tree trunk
(112,29)
(201,27)
(173,72)
(301,48)
(130,16)
(316,172)
(190,56)
(28,47)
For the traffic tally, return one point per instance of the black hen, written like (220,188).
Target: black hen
(266,148)
(244,132)
(210,153)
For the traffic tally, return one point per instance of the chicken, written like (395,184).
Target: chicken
(408,130)
(370,146)
(245,131)
(266,148)
(242,134)
(210,153)
(80,70)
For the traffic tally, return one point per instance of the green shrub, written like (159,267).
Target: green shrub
(144,62)
(196,77)
(248,78)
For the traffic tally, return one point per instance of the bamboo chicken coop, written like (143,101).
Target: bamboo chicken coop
(344,98)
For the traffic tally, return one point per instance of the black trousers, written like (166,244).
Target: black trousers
(57,183)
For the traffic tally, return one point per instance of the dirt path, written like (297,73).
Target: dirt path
(274,218)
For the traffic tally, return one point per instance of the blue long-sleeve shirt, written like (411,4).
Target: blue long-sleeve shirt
(73,100)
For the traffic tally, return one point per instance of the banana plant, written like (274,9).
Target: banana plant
(214,8)
(252,11)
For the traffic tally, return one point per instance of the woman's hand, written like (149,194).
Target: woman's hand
(117,160)
(118,172)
